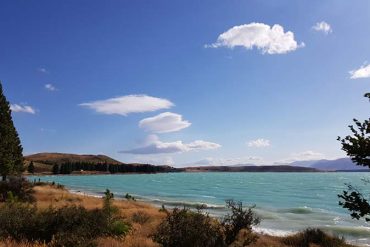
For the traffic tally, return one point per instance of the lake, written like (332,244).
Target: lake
(286,202)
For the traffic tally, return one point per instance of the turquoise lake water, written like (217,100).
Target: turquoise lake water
(286,202)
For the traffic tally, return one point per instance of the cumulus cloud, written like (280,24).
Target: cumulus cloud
(362,72)
(125,105)
(322,27)
(271,40)
(164,123)
(154,146)
(22,108)
(259,143)
(50,87)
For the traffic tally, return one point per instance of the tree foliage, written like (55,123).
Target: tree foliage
(183,228)
(11,158)
(238,219)
(357,147)
(70,166)
(31,168)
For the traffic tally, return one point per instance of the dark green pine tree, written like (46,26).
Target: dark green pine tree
(55,169)
(11,158)
(31,168)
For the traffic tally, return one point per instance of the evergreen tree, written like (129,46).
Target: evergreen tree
(55,169)
(11,158)
(31,168)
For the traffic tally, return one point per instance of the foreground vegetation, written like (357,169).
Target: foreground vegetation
(56,217)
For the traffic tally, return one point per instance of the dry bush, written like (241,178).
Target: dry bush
(268,241)
(140,217)
(310,237)
(12,243)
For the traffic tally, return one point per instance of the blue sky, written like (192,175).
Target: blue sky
(178,82)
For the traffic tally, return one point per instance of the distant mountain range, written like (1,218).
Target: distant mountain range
(241,168)
(44,161)
(343,164)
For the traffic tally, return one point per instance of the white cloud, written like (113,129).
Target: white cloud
(164,123)
(43,70)
(259,143)
(303,156)
(22,108)
(50,87)
(251,160)
(362,72)
(129,104)
(153,160)
(154,146)
(271,40)
(322,27)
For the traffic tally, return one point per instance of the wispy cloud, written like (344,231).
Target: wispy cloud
(50,87)
(303,156)
(22,108)
(323,27)
(125,105)
(43,70)
(259,143)
(362,72)
(154,146)
(271,40)
(251,160)
(164,123)
(154,160)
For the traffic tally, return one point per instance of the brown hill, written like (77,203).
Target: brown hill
(87,164)
(59,158)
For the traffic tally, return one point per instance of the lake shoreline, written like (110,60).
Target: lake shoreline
(284,209)
(49,195)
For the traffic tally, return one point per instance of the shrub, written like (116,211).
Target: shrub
(119,228)
(313,236)
(130,197)
(140,217)
(65,226)
(239,219)
(244,238)
(19,187)
(183,228)
(17,221)
(115,224)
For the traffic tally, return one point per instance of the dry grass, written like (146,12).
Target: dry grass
(143,217)
(141,229)
(11,243)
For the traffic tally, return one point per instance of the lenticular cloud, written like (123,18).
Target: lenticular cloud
(125,105)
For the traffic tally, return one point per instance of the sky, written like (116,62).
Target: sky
(191,82)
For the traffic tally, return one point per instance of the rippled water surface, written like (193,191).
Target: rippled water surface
(286,201)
